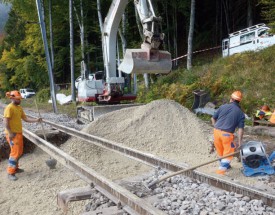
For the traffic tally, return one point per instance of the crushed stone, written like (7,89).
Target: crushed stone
(162,127)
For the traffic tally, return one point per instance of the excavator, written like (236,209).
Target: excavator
(148,59)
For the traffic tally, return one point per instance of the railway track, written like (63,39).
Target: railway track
(133,204)
(119,193)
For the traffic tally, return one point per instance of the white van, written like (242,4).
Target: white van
(253,38)
(27,93)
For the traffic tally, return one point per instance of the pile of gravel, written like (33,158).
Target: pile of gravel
(61,119)
(182,196)
(163,127)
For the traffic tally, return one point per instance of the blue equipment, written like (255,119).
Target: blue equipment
(255,160)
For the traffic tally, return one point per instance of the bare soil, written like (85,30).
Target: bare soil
(163,128)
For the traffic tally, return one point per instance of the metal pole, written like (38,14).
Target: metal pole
(51,33)
(72,49)
(44,38)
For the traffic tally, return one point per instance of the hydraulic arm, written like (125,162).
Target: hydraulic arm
(147,59)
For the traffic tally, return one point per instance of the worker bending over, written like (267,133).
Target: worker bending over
(13,114)
(225,121)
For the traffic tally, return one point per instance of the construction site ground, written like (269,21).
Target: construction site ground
(163,128)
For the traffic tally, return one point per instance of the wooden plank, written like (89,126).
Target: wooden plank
(75,194)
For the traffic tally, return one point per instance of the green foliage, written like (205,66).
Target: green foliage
(204,117)
(251,72)
(43,95)
(175,86)
(269,13)
(69,109)
(23,63)
(65,92)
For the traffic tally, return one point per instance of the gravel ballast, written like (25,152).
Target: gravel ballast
(163,128)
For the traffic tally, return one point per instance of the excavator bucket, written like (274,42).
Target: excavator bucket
(142,61)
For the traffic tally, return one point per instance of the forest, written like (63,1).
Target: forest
(22,55)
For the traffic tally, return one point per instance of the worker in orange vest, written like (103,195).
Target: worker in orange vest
(225,121)
(264,113)
(13,114)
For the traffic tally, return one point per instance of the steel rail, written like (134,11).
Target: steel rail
(145,158)
(135,203)
(152,160)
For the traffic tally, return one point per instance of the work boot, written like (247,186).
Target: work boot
(18,170)
(220,172)
(12,177)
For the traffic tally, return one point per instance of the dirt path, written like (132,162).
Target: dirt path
(36,189)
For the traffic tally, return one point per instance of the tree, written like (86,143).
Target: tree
(23,47)
(269,13)
(249,13)
(190,36)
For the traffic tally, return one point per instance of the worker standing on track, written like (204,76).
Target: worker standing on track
(13,114)
(225,120)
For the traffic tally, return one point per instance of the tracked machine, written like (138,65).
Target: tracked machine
(148,59)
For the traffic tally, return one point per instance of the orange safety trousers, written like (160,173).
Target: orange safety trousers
(224,144)
(16,146)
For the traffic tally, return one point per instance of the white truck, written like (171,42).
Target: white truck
(27,93)
(253,38)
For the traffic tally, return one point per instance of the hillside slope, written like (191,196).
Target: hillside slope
(251,72)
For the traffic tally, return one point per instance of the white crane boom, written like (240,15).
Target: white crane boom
(148,59)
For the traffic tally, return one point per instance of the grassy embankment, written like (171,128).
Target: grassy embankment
(253,73)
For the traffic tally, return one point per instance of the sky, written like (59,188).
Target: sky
(4,10)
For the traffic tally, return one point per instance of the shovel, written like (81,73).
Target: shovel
(51,162)
(153,184)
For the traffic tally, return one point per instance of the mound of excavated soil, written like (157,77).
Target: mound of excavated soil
(162,127)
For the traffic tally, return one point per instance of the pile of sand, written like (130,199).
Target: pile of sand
(163,128)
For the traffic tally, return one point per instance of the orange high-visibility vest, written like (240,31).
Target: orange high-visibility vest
(272,118)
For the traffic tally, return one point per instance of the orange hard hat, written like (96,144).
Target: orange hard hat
(237,95)
(265,108)
(14,94)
